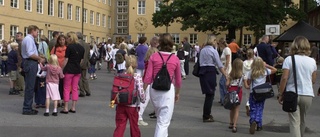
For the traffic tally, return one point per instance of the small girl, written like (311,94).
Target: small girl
(4,58)
(234,81)
(257,76)
(125,112)
(54,73)
(109,59)
(93,60)
(246,69)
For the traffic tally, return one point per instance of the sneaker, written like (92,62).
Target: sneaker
(32,112)
(55,114)
(7,75)
(142,123)
(253,127)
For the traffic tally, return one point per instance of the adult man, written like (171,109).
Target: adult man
(31,58)
(83,84)
(53,42)
(20,80)
(314,52)
(264,50)
(234,47)
(186,47)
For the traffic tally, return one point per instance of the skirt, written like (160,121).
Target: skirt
(53,91)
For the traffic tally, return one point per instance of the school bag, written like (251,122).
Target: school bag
(123,92)
(162,81)
(93,59)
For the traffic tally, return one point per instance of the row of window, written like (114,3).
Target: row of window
(122,6)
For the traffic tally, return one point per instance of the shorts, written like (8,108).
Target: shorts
(13,75)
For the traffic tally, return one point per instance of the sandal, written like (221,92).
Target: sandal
(231,126)
(234,129)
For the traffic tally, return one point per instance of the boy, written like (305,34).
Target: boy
(279,71)
(12,68)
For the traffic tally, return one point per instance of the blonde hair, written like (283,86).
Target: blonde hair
(280,60)
(123,46)
(258,68)
(13,45)
(250,53)
(131,64)
(73,37)
(236,71)
(150,51)
(53,60)
(300,46)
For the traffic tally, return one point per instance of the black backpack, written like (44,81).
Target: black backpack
(162,81)
(93,59)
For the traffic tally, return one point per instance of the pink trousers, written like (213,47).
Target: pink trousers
(70,83)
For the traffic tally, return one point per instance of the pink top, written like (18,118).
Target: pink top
(53,73)
(155,64)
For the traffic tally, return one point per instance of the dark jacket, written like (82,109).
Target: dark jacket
(265,52)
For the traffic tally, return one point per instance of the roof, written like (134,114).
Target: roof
(300,29)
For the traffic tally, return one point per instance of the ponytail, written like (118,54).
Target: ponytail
(130,70)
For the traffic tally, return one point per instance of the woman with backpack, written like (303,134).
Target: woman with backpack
(163,99)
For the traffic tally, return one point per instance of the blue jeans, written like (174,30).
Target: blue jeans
(4,68)
(223,88)
(92,69)
(30,67)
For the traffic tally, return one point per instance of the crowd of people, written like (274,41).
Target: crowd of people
(57,69)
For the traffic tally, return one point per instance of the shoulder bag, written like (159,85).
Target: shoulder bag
(290,98)
(263,91)
(231,99)
(196,67)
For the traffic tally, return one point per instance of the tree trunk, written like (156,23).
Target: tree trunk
(231,33)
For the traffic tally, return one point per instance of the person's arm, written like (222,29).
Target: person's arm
(283,83)
(228,81)
(247,83)
(148,75)
(273,69)
(139,87)
(178,81)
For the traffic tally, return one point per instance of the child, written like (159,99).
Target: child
(257,76)
(181,54)
(234,81)
(54,73)
(279,72)
(93,61)
(40,89)
(246,69)
(12,68)
(120,63)
(4,58)
(109,59)
(123,113)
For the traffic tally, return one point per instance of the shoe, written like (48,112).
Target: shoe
(1,75)
(7,75)
(64,112)
(88,94)
(253,127)
(32,112)
(72,111)
(153,116)
(210,119)
(55,114)
(248,111)
(234,129)
(46,114)
(231,126)
(259,128)
(142,123)
(81,95)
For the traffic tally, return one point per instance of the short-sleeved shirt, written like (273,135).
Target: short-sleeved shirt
(305,66)
(28,47)
(260,80)
(226,51)
(74,53)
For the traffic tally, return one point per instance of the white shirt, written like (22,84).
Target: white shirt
(226,51)
(113,53)
(260,80)
(305,66)
(130,46)
(247,67)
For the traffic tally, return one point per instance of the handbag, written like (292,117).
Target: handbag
(231,99)
(290,98)
(263,91)
(196,67)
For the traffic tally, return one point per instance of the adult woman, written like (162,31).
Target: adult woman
(163,101)
(226,61)
(72,70)
(60,50)
(209,59)
(43,47)
(306,75)
(141,51)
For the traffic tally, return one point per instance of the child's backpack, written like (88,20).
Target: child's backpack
(93,59)
(119,58)
(123,92)
(162,81)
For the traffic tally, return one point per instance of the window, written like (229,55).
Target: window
(1,3)
(40,6)
(157,5)
(122,17)
(104,19)
(103,39)
(85,15)
(1,31)
(141,7)
(69,12)
(27,5)
(140,35)
(104,1)
(122,24)
(122,3)
(91,17)
(50,37)
(109,22)
(98,19)
(85,38)
(109,1)
(15,3)
(246,39)
(122,31)
(98,40)
(39,35)
(13,30)
(98,0)
(51,8)
(26,31)
(122,10)
(193,38)
(176,38)
(60,9)
(78,13)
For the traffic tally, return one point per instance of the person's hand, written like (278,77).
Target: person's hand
(280,100)
(176,97)
(42,60)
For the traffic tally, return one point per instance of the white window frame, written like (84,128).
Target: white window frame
(193,38)
(78,11)
(1,4)
(50,37)
(122,17)
(91,17)
(13,30)
(1,31)
(156,5)
(14,4)
(40,6)
(141,7)
(98,19)
(109,2)
(109,22)
(104,19)
(51,7)
(69,11)
(60,9)
(122,23)
(176,37)
(85,19)
(85,38)
(39,35)
(247,39)
(26,31)
(104,1)
(28,5)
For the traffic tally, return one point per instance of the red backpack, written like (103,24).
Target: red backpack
(123,92)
